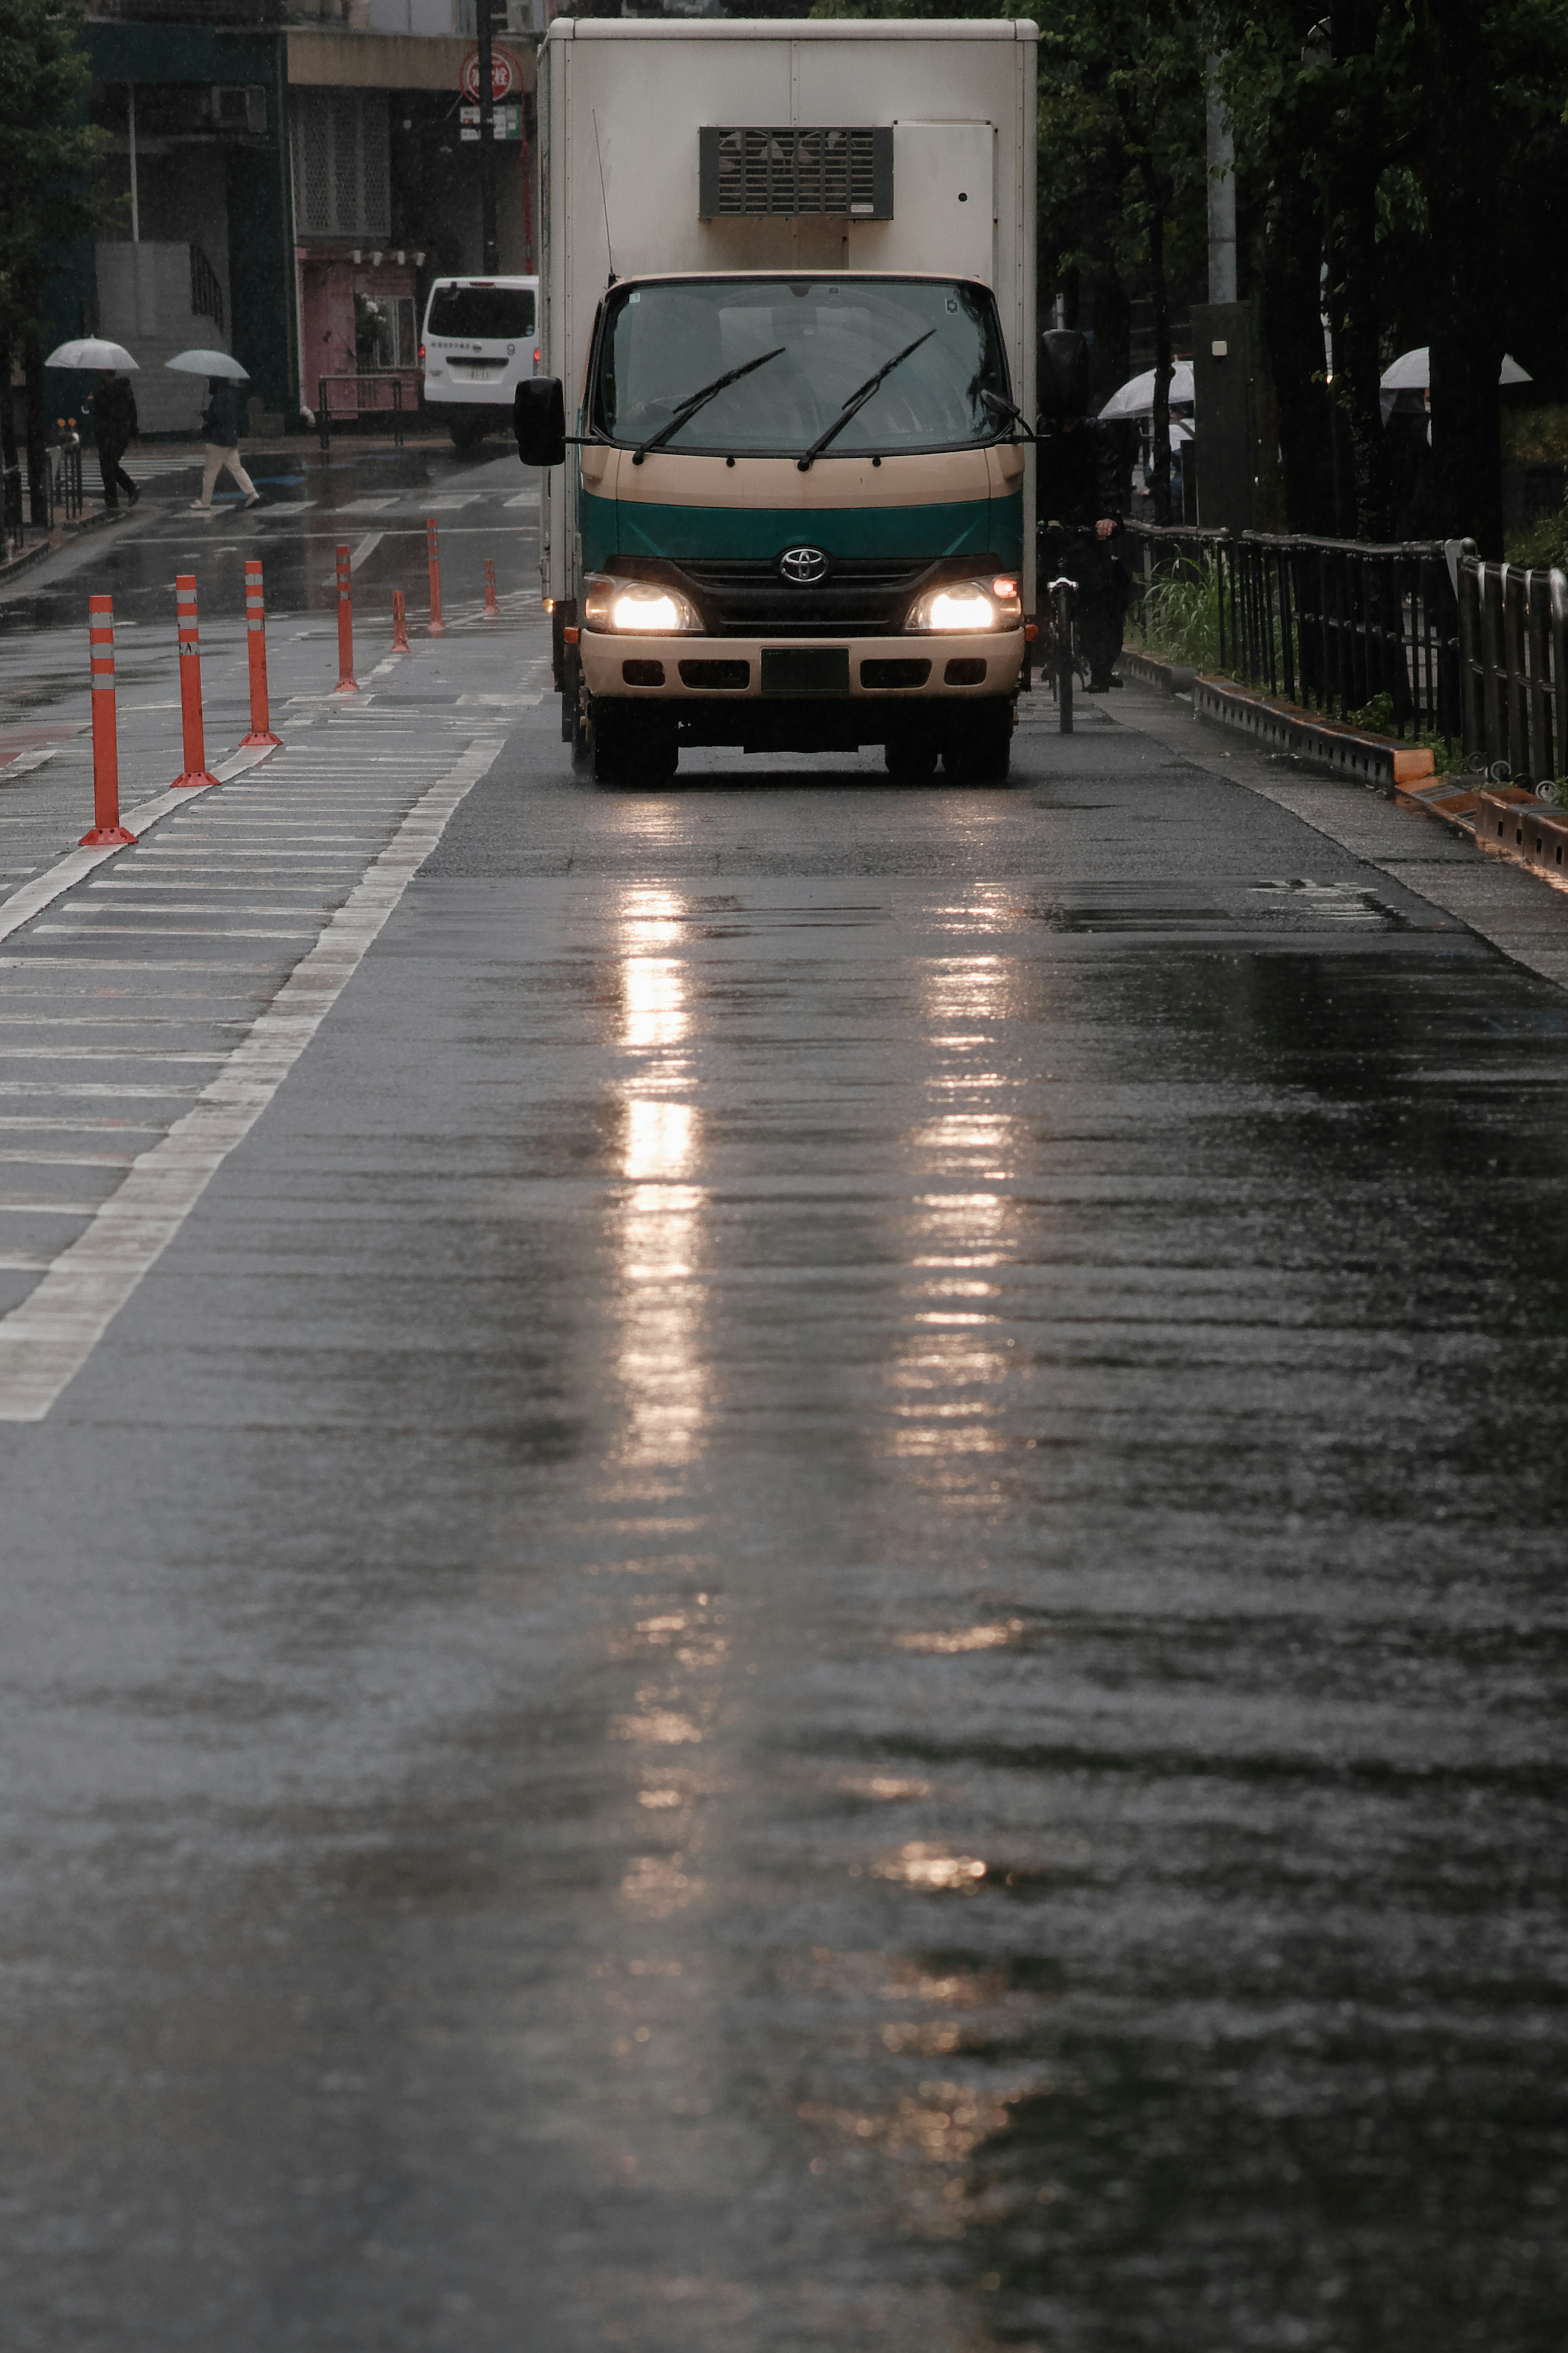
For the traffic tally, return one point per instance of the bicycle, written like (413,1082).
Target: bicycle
(1058,654)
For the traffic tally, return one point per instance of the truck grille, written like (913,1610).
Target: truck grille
(739,596)
(783,173)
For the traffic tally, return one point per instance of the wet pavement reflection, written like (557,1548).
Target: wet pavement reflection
(824,1610)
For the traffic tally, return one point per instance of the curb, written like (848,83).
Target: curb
(1503,820)
(31,557)
(1346,751)
(1165,678)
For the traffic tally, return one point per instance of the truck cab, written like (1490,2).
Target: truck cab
(785,494)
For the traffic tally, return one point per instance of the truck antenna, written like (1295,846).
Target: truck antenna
(603,197)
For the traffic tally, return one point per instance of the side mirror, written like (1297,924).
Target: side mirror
(539,420)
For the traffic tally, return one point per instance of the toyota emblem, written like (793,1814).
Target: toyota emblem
(803,565)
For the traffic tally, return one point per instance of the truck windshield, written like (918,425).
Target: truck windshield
(492,314)
(662,342)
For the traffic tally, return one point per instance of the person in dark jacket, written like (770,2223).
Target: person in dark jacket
(114,427)
(1077,492)
(220,434)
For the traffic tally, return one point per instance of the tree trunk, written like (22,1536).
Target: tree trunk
(1461,180)
(1165,365)
(1355,307)
(1292,298)
(1110,361)
(36,427)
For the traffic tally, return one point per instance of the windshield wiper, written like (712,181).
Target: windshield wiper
(696,400)
(857,399)
(1000,407)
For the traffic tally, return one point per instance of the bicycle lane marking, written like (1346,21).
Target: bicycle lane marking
(46,1340)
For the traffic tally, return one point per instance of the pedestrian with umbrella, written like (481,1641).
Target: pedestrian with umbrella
(113,406)
(220,423)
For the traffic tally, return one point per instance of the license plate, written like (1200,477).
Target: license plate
(805,669)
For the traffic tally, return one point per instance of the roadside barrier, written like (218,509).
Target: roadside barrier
(437,626)
(492,610)
(196,768)
(108,833)
(400,644)
(256,647)
(347,682)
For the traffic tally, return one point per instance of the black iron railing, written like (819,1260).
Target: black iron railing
(1338,626)
(1158,552)
(1513,668)
(365,395)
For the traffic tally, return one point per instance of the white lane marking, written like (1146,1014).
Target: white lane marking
(523,499)
(45,888)
(447,503)
(369,505)
(105,1053)
(231,966)
(68,1159)
(25,762)
(46,1340)
(161,931)
(21,1262)
(11,1206)
(83,1087)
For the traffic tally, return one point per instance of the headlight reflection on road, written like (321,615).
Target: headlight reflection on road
(659,1217)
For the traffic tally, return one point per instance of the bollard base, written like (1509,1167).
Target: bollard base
(347,686)
(192,778)
(265,737)
(107,836)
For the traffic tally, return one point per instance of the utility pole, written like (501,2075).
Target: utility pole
(1221,190)
(489,249)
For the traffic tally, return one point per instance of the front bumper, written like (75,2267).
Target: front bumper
(879,669)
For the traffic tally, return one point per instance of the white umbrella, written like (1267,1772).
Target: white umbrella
(1136,397)
(209,364)
(1412,372)
(91,352)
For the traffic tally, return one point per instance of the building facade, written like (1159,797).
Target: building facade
(284,187)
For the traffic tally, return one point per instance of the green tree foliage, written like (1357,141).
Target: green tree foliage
(49,155)
(1402,170)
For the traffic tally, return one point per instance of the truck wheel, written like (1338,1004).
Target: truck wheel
(467,436)
(980,745)
(912,759)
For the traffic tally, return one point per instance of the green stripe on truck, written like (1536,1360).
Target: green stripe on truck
(960,527)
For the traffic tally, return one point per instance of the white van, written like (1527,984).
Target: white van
(481,339)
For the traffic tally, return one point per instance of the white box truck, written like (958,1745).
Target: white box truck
(787,320)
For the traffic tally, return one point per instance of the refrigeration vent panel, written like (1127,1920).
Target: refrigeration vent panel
(761,174)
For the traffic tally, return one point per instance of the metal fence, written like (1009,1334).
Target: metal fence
(1423,633)
(1340,625)
(360,395)
(1513,669)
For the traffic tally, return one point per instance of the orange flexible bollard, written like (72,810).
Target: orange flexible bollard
(347,682)
(256,648)
(492,610)
(108,833)
(400,644)
(437,626)
(196,770)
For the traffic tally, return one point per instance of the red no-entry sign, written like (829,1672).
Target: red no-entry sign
(506,76)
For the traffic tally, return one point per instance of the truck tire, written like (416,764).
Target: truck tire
(467,435)
(633,745)
(979,744)
(912,758)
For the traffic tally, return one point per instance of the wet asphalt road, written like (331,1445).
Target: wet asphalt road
(821,1606)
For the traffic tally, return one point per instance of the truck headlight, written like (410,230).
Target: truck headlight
(965,605)
(645,607)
